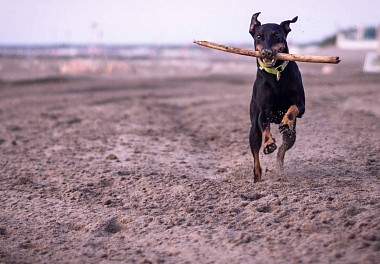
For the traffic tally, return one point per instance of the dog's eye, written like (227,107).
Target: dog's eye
(276,35)
(258,37)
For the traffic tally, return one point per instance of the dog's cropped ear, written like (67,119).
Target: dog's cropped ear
(285,25)
(254,23)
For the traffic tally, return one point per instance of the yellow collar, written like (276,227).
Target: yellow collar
(276,71)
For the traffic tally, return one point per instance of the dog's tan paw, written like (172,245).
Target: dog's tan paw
(289,120)
(286,125)
(269,146)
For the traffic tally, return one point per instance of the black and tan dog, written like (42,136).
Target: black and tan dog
(278,96)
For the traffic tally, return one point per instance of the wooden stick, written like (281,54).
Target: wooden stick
(281,56)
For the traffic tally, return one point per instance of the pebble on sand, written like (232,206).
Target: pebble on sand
(111,157)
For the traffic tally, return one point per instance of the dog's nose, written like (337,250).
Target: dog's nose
(266,53)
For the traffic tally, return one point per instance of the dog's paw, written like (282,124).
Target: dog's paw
(283,127)
(287,127)
(257,174)
(288,123)
(269,148)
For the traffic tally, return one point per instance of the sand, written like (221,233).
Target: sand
(149,162)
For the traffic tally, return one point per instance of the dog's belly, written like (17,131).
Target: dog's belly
(276,116)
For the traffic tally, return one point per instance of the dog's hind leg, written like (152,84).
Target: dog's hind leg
(255,143)
(288,139)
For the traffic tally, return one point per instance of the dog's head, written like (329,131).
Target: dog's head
(270,39)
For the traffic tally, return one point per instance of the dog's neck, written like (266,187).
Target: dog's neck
(274,70)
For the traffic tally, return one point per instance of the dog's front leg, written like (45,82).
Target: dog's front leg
(288,129)
(269,141)
(289,119)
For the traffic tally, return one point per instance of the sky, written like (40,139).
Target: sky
(26,22)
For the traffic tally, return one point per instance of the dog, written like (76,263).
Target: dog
(278,95)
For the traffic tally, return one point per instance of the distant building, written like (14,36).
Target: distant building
(364,38)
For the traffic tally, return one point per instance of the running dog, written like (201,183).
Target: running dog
(278,95)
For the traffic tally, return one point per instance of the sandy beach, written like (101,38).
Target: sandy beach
(148,161)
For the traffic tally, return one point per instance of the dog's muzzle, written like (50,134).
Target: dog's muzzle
(267,57)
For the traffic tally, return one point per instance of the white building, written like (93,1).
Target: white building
(364,38)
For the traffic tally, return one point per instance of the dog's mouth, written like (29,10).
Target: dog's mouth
(268,62)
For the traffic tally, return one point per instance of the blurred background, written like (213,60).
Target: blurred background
(122,32)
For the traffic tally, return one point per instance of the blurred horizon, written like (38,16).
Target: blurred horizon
(171,23)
